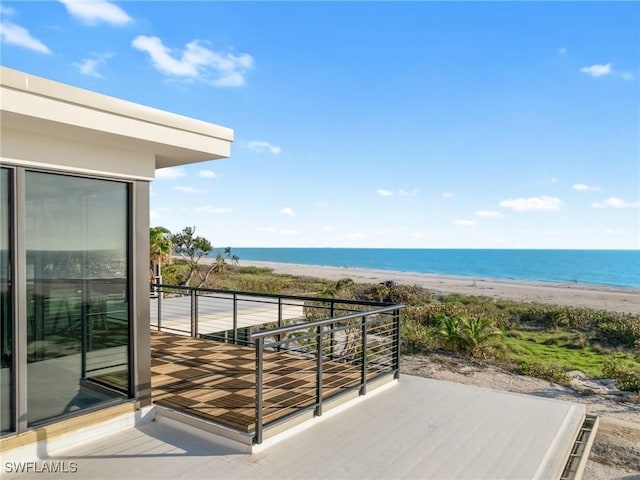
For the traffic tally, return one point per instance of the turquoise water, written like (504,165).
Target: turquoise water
(599,267)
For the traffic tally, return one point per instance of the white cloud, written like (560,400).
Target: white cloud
(384,192)
(615,202)
(94,12)
(418,234)
(613,231)
(581,187)
(262,147)
(268,229)
(562,51)
(289,232)
(447,195)
(210,209)
(208,174)
(465,223)
(196,61)
(287,211)
(602,70)
(97,11)
(543,203)
(89,66)
(170,173)
(185,189)
(488,213)
(13,34)
(553,179)
(408,193)
(597,70)
(322,204)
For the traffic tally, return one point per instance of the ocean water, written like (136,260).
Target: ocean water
(598,267)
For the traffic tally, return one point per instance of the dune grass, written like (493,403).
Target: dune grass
(563,350)
(535,339)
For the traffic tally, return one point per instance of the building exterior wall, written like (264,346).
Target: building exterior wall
(83,141)
(54,153)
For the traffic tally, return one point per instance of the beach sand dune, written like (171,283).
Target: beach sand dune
(615,299)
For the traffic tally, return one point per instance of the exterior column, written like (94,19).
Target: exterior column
(141,334)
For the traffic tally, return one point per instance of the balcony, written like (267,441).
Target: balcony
(249,366)
(253,363)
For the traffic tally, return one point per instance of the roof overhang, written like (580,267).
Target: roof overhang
(40,106)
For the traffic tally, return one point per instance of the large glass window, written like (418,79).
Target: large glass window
(76,232)
(6,310)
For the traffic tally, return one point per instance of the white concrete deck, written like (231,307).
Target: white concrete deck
(417,428)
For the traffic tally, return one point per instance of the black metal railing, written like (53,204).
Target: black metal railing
(308,349)
(334,355)
(231,316)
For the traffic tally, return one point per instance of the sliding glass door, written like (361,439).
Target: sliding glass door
(6,304)
(77,293)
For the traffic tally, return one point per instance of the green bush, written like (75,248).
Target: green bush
(254,270)
(416,338)
(477,337)
(174,273)
(626,380)
(623,330)
(548,372)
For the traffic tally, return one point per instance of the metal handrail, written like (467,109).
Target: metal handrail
(273,295)
(323,322)
(368,318)
(370,329)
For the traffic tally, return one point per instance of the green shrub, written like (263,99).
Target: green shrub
(252,269)
(477,337)
(626,380)
(174,273)
(548,372)
(416,338)
(623,330)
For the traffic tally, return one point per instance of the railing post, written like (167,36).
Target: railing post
(259,381)
(194,312)
(159,297)
(279,347)
(396,359)
(363,372)
(319,365)
(235,319)
(332,335)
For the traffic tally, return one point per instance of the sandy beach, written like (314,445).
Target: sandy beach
(616,299)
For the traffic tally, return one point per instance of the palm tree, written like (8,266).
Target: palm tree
(160,248)
(479,337)
(231,256)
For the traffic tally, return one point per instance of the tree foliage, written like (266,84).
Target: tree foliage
(160,248)
(192,248)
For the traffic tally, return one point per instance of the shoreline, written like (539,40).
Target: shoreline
(599,297)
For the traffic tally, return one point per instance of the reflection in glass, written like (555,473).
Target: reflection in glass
(6,310)
(77,293)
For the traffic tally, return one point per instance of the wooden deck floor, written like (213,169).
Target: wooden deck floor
(216,381)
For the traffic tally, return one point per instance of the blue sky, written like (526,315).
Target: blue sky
(373,124)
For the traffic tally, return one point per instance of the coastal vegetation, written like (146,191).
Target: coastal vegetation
(191,248)
(527,338)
